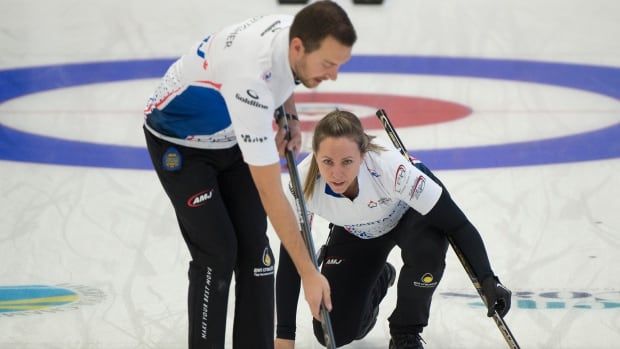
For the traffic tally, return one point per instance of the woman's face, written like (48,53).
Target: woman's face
(339,160)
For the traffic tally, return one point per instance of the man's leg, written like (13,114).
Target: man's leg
(254,270)
(194,191)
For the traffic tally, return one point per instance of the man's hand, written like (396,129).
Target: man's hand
(497,296)
(316,289)
(294,144)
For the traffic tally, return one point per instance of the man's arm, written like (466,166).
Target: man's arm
(294,144)
(268,182)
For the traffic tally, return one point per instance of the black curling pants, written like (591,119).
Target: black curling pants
(224,226)
(355,270)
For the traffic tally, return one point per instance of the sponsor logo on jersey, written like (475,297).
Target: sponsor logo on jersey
(417,188)
(200,199)
(253,139)
(372,229)
(253,102)
(426,281)
(210,139)
(400,180)
(199,51)
(252,94)
(384,201)
(374,173)
(231,37)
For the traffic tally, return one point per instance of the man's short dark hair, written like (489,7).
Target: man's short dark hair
(319,20)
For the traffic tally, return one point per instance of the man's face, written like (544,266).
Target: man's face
(321,64)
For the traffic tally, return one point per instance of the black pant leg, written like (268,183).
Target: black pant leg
(253,325)
(288,284)
(194,191)
(423,250)
(352,266)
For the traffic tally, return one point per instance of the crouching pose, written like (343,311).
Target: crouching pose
(375,199)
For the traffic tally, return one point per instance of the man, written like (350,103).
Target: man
(209,132)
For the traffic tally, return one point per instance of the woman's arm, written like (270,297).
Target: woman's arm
(287,296)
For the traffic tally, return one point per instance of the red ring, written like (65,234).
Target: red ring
(404,111)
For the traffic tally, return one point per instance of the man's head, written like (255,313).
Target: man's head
(321,38)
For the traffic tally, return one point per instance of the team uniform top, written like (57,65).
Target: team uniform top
(388,186)
(225,89)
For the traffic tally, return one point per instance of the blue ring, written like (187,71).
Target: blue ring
(604,143)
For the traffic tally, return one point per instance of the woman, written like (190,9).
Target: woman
(376,199)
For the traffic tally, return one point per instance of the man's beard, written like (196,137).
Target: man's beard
(307,82)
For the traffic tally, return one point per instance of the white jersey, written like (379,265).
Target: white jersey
(388,186)
(224,91)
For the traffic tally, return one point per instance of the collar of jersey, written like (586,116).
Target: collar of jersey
(329,191)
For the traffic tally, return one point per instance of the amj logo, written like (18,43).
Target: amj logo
(200,199)
(333,261)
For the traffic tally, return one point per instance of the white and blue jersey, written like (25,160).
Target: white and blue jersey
(388,186)
(225,89)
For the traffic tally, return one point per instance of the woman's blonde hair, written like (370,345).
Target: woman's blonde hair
(336,124)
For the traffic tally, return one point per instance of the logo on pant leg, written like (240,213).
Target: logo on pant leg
(200,199)
(333,261)
(172,160)
(266,257)
(426,281)
(267,268)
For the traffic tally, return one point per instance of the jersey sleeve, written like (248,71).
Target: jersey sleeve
(251,107)
(406,182)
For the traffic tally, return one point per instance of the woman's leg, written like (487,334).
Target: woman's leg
(423,251)
(356,270)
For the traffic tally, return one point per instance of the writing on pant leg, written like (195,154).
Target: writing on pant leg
(200,198)
(205,302)
(331,261)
